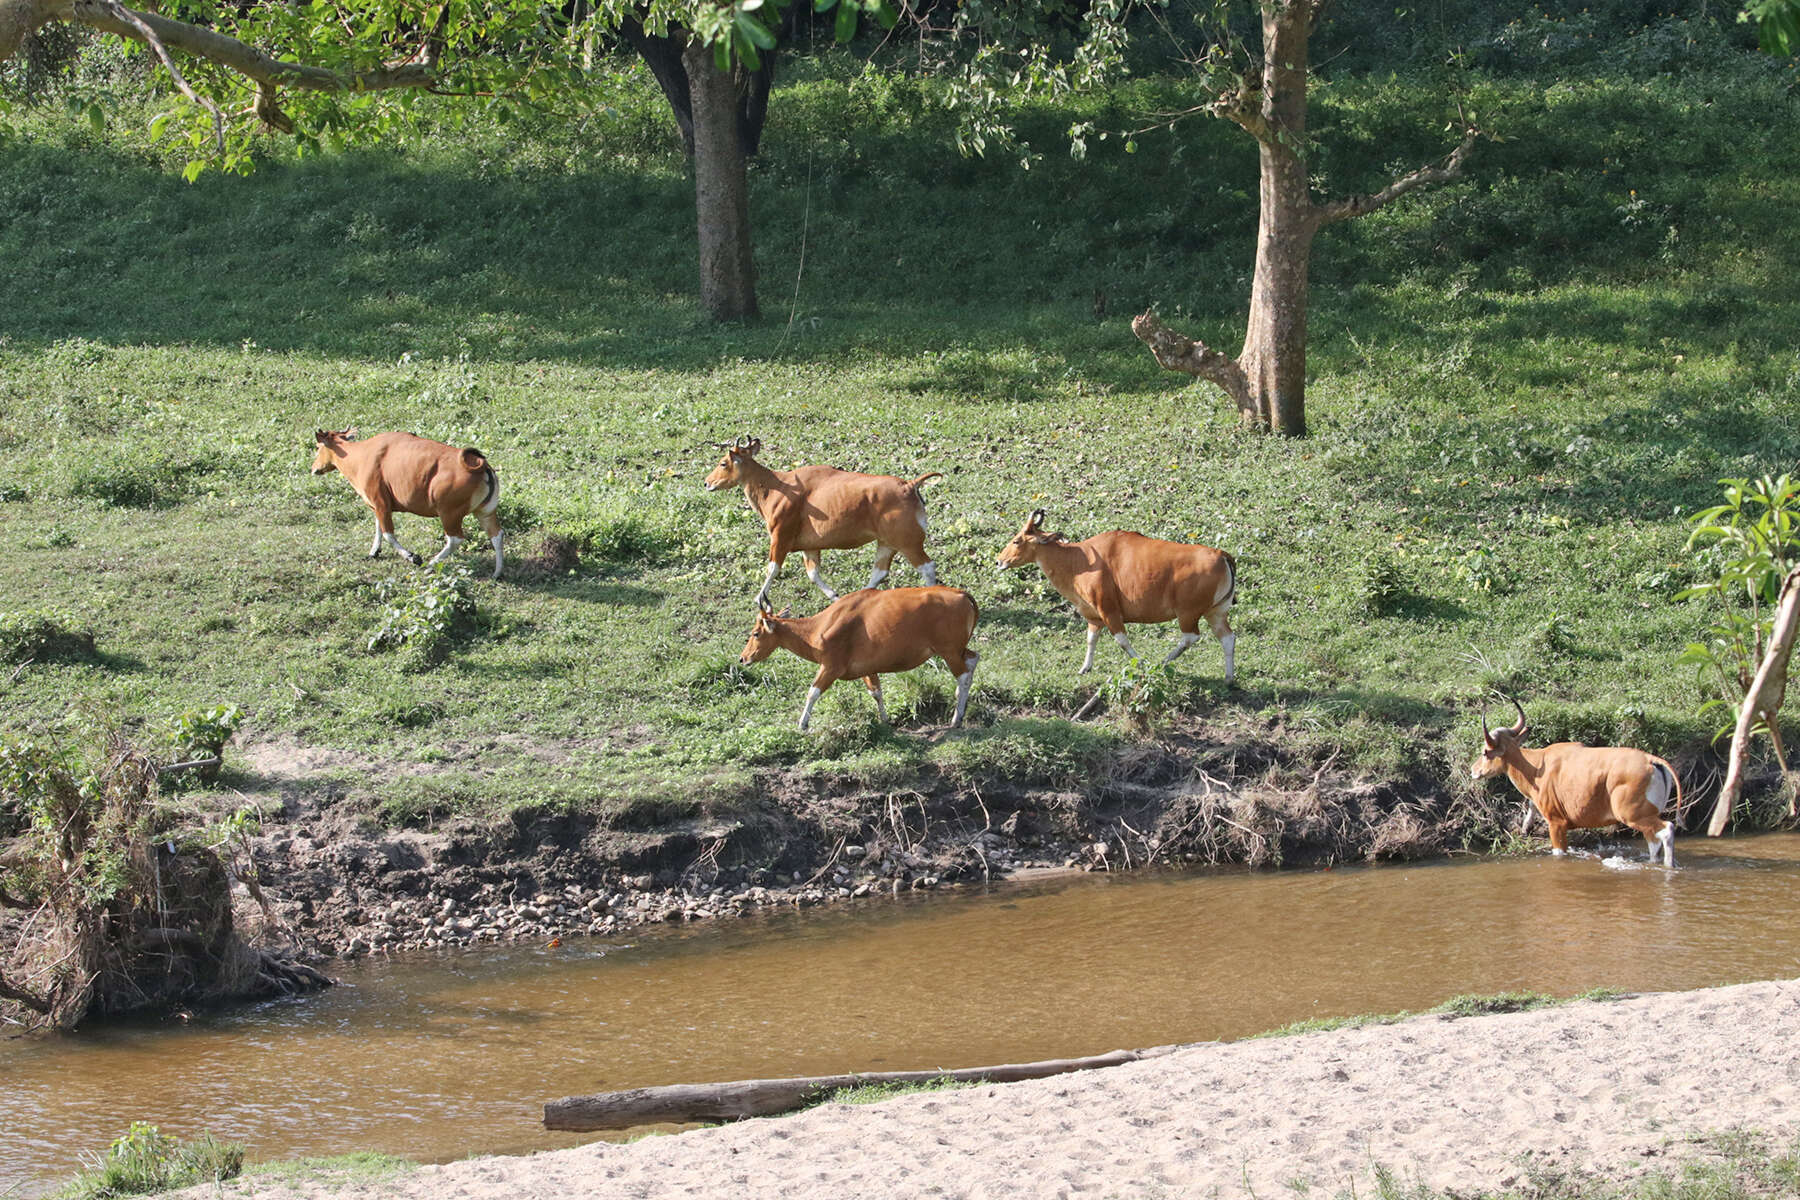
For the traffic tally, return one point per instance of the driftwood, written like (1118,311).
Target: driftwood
(687,1103)
(1762,704)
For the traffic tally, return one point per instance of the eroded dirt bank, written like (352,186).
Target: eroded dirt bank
(344,887)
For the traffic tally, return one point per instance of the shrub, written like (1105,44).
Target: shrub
(1382,587)
(1747,545)
(425,613)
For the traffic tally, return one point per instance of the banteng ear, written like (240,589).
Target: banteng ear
(1036,520)
(348,433)
(319,436)
(783,614)
(753,445)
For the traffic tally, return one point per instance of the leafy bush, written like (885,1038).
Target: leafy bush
(148,1160)
(1143,691)
(425,613)
(42,637)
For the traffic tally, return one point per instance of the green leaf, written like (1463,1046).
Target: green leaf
(193,170)
(96,118)
(756,32)
(158,124)
(846,22)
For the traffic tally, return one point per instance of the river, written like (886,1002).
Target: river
(439,1056)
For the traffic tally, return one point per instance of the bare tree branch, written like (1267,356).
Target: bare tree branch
(1356,206)
(1177,353)
(29,999)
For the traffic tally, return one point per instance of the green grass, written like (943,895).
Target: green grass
(337,1172)
(1456,1006)
(875,1093)
(1519,385)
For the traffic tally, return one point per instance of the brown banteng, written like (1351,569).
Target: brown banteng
(870,633)
(398,472)
(822,508)
(1121,578)
(1585,787)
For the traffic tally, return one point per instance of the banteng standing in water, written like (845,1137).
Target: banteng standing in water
(1584,787)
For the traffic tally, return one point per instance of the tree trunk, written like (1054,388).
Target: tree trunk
(721,190)
(664,55)
(1762,703)
(1274,354)
(1267,380)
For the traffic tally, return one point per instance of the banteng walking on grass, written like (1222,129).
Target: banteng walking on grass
(398,472)
(822,508)
(1585,787)
(1121,578)
(871,633)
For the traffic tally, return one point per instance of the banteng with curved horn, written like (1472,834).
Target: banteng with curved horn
(822,508)
(1120,578)
(1584,787)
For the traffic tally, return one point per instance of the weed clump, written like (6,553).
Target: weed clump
(425,614)
(147,1160)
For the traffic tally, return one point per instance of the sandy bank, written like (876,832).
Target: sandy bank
(1621,1086)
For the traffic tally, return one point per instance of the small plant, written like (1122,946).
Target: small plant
(201,733)
(148,1160)
(1383,586)
(424,613)
(1555,634)
(1143,691)
(1480,571)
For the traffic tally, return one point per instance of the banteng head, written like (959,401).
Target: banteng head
(1496,744)
(762,641)
(730,471)
(330,445)
(1024,546)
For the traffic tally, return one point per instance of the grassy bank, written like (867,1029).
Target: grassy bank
(1519,385)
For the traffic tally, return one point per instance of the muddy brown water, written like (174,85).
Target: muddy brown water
(437,1057)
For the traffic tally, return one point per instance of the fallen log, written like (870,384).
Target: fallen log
(689,1103)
